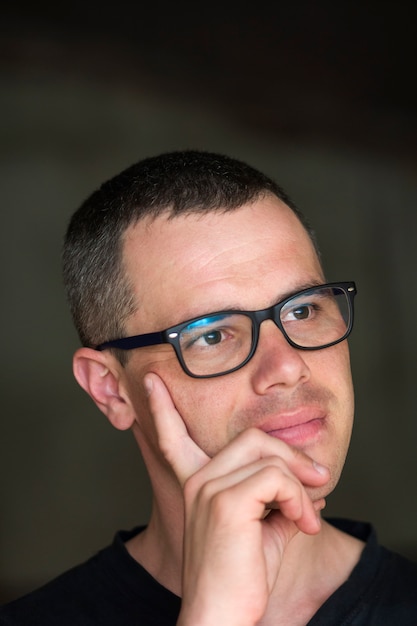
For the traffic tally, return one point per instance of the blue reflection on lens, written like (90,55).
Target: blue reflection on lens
(205,321)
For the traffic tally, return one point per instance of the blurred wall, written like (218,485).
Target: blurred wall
(82,100)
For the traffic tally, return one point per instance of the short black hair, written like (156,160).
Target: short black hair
(175,183)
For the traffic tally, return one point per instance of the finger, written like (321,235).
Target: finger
(276,466)
(242,495)
(253,444)
(181,452)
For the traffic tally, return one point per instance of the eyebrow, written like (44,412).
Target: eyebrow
(289,294)
(308,285)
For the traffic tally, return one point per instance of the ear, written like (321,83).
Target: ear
(101,376)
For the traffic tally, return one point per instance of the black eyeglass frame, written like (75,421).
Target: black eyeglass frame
(172,334)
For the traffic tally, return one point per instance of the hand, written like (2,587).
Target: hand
(233,547)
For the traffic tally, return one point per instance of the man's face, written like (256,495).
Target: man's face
(245,259)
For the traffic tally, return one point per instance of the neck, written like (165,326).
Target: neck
(159,547)
(313,568)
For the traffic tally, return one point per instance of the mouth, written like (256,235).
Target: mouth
(299,434)
(296,429)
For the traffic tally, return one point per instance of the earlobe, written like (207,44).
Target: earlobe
(99,374)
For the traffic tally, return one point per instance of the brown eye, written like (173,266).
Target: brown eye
(302,312)
(213,337)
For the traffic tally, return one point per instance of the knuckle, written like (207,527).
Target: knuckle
(205,496)
(191,487)
(272,472)
(221,505)
(198,490)
(252,436)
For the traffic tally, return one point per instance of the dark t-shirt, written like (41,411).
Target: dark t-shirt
(112,589)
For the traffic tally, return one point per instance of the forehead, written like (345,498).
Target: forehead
(192,264)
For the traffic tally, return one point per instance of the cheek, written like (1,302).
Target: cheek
(206,406)
(334,370)
(335,374)
(142,362)
(339,381)
(347,378)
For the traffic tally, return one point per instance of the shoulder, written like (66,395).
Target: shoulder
(399,573)
(58,601)
(382,588)
(377,561)
(110,588)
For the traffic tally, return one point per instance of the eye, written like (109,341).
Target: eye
(205,333)
(217,334)
(211,338)
(306,311)
(302,312)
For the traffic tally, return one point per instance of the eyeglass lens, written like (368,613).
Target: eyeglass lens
(218,343)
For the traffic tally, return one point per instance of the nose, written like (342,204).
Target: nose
(276,363)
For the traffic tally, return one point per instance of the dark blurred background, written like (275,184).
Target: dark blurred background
(320,95)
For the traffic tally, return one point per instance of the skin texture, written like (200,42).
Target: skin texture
(219,451)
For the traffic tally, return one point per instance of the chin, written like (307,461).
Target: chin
(317,493)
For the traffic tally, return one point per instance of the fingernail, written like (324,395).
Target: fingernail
(320,468)
(148,384)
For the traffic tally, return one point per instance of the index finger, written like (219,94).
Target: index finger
(182,453)
(252,445)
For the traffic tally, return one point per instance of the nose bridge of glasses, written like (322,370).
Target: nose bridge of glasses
(272,314)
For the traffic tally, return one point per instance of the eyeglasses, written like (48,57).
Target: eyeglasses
(222,342)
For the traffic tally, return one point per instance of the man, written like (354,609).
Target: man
(209,330)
